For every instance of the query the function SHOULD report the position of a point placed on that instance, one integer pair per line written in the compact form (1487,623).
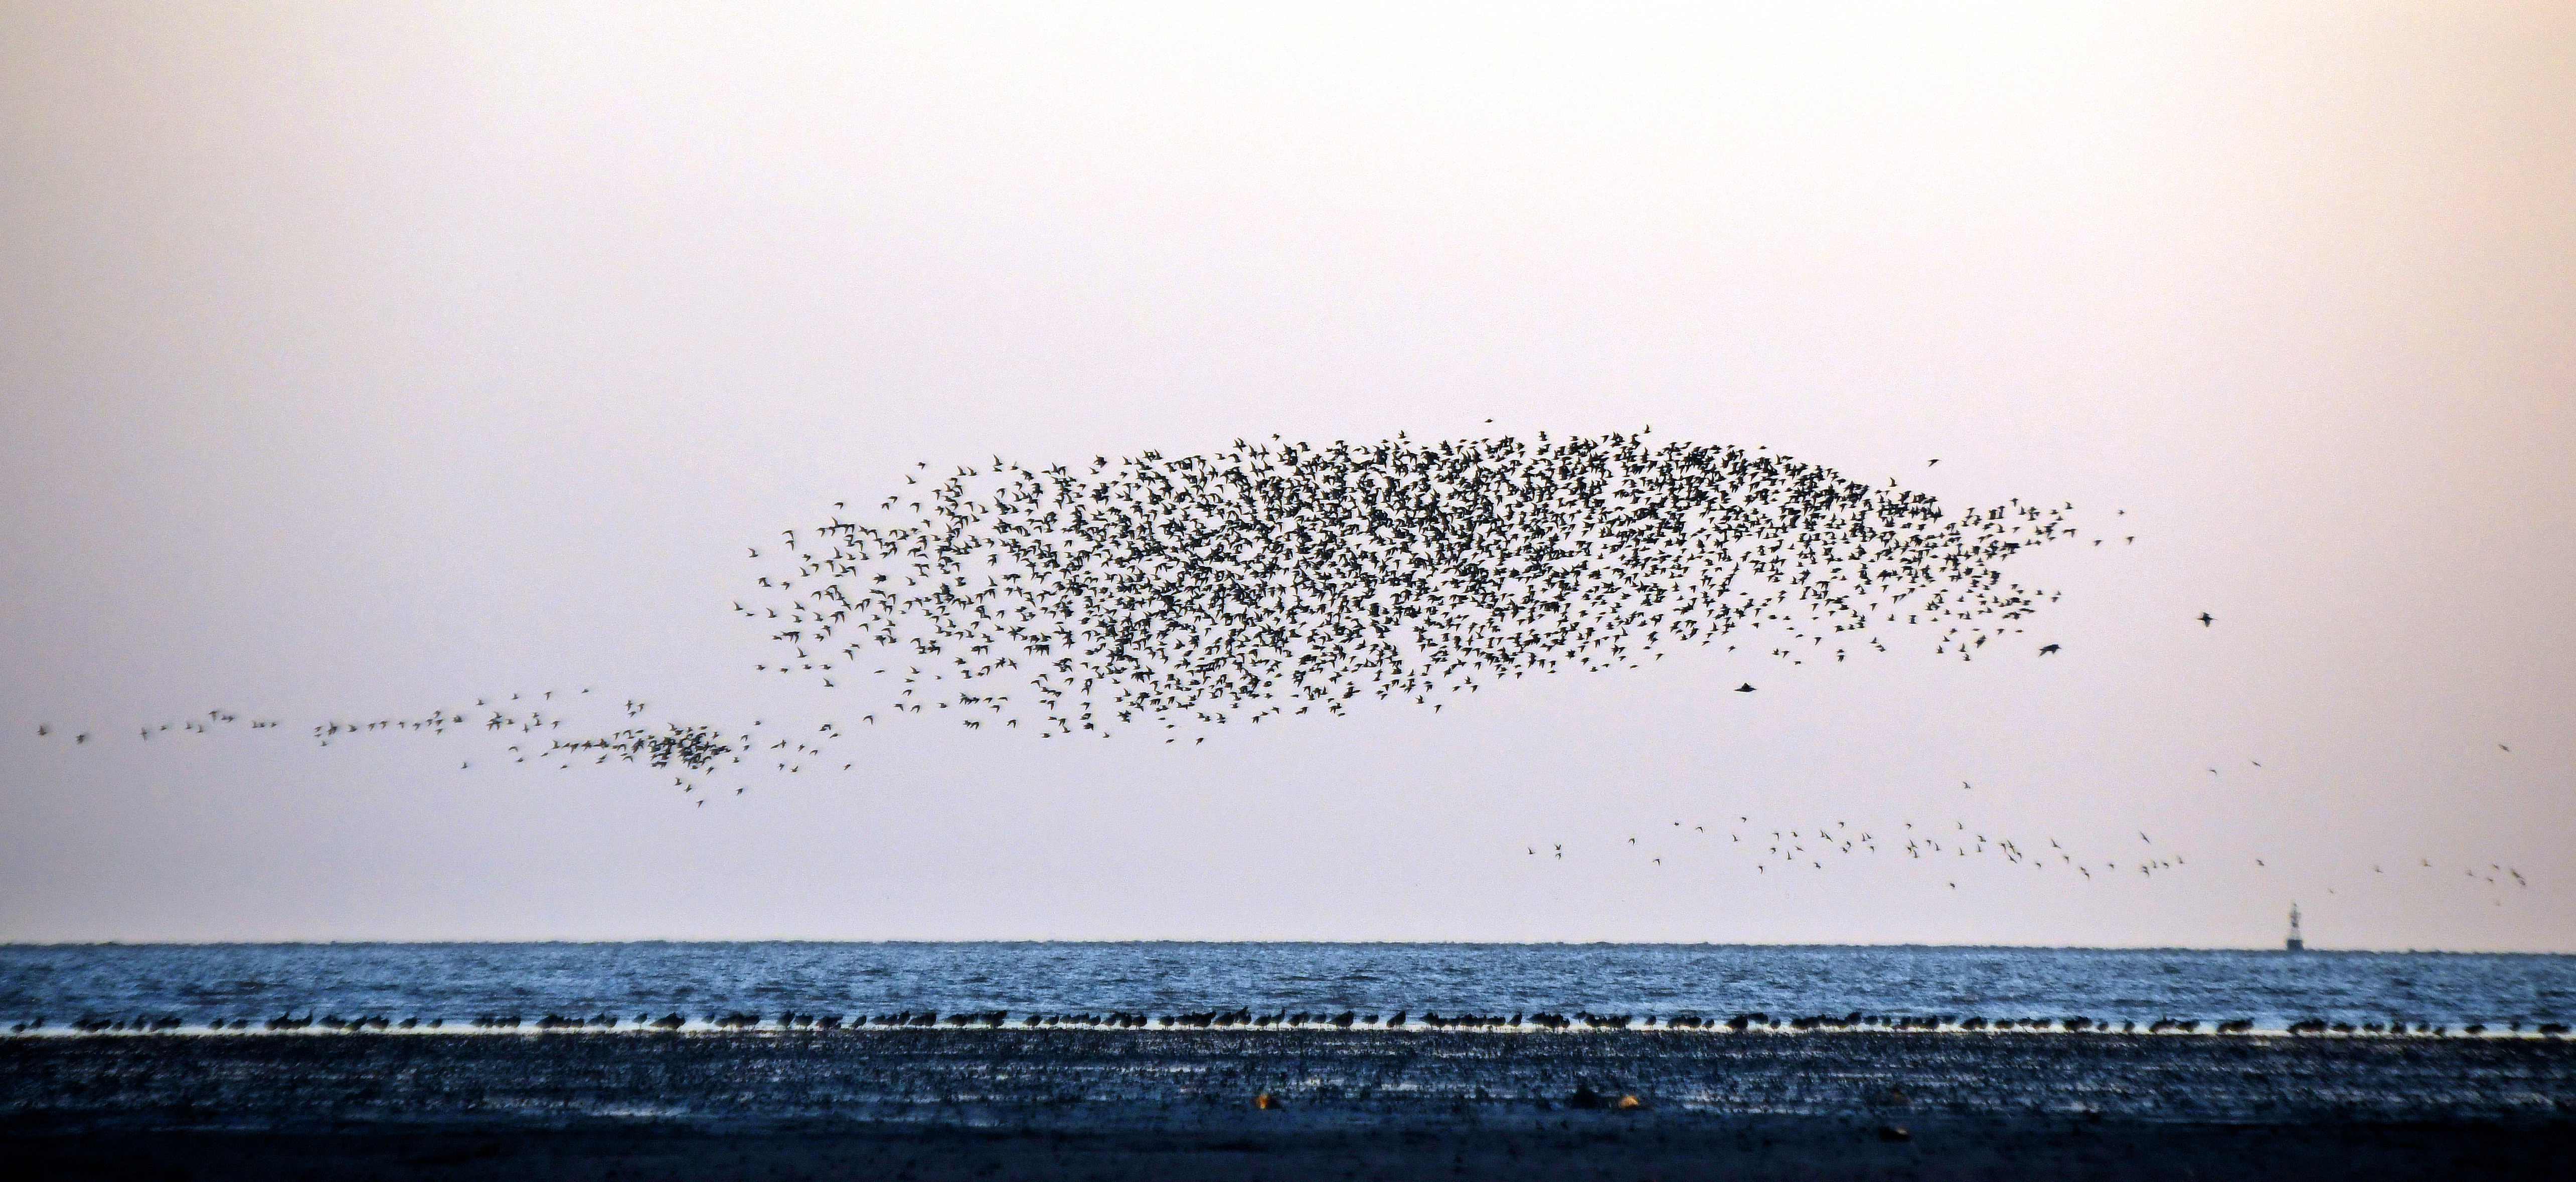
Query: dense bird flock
(1183,594)
(1268,579)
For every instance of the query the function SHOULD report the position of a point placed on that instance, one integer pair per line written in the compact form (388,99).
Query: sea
(456,983)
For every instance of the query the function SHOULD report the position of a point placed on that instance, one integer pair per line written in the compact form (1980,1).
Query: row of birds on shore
(1285,1019)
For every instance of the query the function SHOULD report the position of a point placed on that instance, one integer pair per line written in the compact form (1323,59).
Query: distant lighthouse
(2296,944)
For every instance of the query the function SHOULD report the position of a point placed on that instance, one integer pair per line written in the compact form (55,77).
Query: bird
(2207,619)
(2046,649)
(1189,594)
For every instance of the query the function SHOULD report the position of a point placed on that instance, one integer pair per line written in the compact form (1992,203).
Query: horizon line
(2310,949)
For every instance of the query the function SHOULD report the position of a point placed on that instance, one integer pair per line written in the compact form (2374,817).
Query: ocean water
(201,983)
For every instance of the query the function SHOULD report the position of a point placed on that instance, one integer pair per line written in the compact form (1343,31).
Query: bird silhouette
(1127,594)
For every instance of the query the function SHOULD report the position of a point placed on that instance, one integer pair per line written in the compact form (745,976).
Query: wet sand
(1161,1104)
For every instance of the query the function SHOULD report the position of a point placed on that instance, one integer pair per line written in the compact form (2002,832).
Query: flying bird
(1072,591)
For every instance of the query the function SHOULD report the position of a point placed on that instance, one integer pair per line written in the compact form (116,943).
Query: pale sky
(359,362)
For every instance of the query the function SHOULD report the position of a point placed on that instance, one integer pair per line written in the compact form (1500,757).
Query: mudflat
(931,1104)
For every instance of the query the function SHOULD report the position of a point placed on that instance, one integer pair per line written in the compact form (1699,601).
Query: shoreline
(1121,1104)
(1593,1148)
(701,1029)
(1123,1075)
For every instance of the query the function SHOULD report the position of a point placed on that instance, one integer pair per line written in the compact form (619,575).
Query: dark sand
(1180,1104)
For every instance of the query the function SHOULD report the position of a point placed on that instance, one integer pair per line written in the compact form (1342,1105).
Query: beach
(1057,1103)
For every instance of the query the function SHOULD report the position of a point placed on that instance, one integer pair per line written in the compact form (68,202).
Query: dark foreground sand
(1181,1104)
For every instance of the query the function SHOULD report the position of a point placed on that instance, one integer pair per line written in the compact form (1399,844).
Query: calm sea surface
(457,982)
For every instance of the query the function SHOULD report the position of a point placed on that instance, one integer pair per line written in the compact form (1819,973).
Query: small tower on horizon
(2296,944)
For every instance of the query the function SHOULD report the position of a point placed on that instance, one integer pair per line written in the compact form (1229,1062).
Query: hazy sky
(359,362)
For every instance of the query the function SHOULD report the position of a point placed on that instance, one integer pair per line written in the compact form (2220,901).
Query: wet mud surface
(1145,1104)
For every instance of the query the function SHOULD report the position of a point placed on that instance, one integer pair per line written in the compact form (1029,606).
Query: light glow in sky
(362,361)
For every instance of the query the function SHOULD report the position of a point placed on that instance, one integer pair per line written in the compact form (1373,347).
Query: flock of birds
(1245,1017)
(1268,579)
(1816,846)
(1790,845)
(1795,848)
(1183,594)
(697,747)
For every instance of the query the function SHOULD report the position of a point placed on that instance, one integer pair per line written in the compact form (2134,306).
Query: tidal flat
(1071,1103)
